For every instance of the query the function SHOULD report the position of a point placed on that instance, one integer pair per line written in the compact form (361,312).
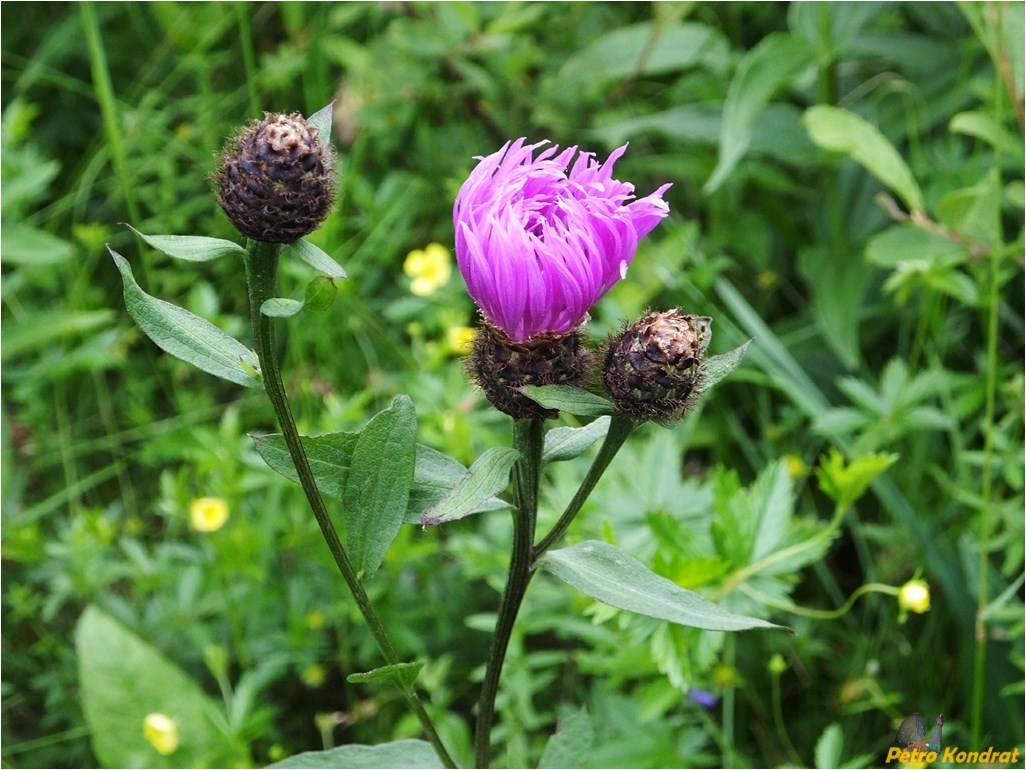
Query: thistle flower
(653,365)
(274,179)
(540,241)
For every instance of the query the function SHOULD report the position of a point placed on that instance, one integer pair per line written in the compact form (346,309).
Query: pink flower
(539,244)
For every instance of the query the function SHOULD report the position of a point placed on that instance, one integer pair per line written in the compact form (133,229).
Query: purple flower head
(539,241)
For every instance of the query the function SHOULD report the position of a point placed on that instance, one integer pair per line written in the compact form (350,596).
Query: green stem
(528,439)
(619,429)
(262,277)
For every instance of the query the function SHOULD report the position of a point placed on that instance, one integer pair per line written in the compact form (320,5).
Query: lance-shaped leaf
(613,577)
(716,368)
(488,476)
(321,120)
(320,293)
(839,130)
(378,487)
(568,443)
(314,256)
(403,675)
(192,248)
(185,335)
(566,398)
(398,755)
(330,456)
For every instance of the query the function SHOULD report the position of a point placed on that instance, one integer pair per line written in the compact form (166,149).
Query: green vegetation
(847,190)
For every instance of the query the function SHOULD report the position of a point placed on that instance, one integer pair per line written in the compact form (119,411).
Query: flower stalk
(261,261)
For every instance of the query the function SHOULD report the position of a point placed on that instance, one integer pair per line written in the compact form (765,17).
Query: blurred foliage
(886,309)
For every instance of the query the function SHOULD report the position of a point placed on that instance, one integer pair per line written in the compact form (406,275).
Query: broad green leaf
(569,399)
(613,577)
(398,755)
(193,248)
(568,443)
(378,487)
(488,476)
(984,126)
(716,368)
(321,120)
(121,680)
(842,131)
(828,748)
(776,61)
(571,744)
(21,244)
(906,242)
(331,456)
(314,256)
(185,335)
(402,675)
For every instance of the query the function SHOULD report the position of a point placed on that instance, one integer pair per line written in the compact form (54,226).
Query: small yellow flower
(796,467)
(162,732)
(315,620)
(208,514)
(460,339)
(314,675)
(429,268)
(914,596)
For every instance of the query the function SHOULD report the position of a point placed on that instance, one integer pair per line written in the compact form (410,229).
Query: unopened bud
(274,179)
(653,365)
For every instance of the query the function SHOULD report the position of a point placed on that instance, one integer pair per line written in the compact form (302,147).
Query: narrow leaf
(314,256)
(321,120)
(568,399)
(570,746)
(613,577)
(776,61)
(280,307)
(568,443)
(399,755)
(488,476)
(192,248)
(401,674)
(716,368)
(839,130)
(185,335)
(378,488)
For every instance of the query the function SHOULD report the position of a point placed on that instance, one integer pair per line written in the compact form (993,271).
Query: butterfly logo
(912,734)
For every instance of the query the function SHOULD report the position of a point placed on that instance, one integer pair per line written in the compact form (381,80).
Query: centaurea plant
(541,235)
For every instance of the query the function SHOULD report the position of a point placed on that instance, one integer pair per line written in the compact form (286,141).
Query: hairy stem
(528,439)
(262,277)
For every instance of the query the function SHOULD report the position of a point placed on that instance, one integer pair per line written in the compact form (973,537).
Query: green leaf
(571,744)
(828,748)
(21,244)
(121,680)
(320,293)
(568,399)
(35,331)
(568,443)
(185,335)
(314,256)
(398,755)
(331,455)
(842,131)
(321,120)
(280,307)
(844,484)
(613,577)
(838,283)
(716,368)
(984,126)
(403,675)
(488,476)
(777,60)
(378,487)
(193,248)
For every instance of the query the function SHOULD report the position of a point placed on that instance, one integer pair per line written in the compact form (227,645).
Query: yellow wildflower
(314,675)
(460,339)
(208,514)
(429,268)
(914,596)
(162,732)
(315,620)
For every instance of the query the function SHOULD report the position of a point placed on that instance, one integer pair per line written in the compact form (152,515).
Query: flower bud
(914,596)
(653,365)
(274,179)
(501,366)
